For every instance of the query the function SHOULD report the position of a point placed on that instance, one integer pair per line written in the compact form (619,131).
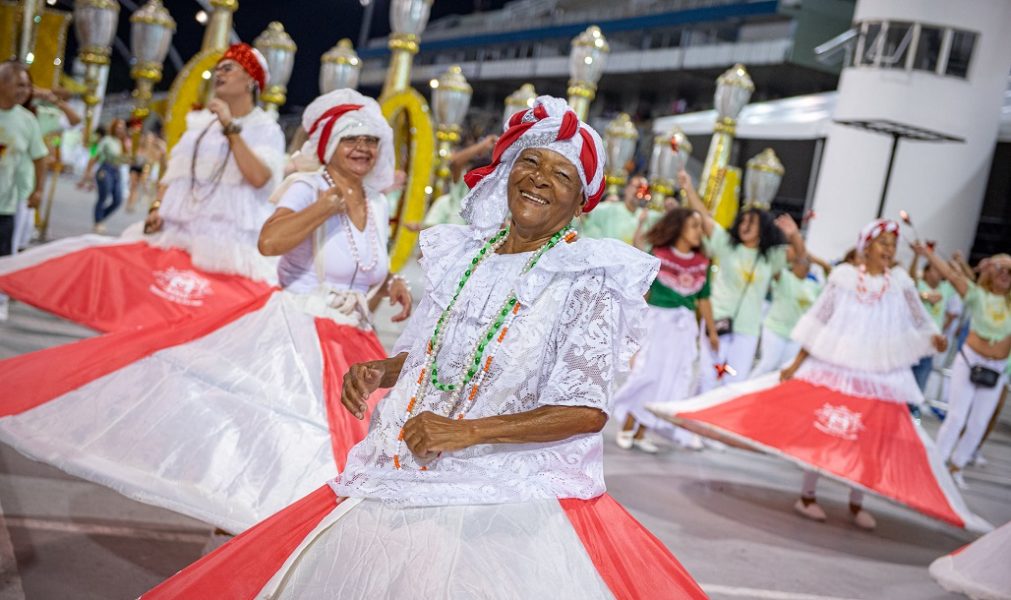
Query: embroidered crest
(182,287)
(838,421)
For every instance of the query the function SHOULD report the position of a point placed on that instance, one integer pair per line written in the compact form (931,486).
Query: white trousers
(24,224)
(776,352)
(970,408)
(737,349)
(663,368)
(807,488)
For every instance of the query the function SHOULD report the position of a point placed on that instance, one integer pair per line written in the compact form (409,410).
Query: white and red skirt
(325,547)
(223,416)
(980,569)
(868,443)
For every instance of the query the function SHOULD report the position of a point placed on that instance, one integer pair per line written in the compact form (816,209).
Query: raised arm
(286,229)
(252,168)
(695,202)
(956,278)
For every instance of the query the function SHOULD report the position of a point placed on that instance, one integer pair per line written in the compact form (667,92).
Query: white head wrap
(322,123)
(550,124)
(873,230)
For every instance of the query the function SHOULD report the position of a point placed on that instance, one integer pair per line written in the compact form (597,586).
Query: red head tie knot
(250,60)
(328,120)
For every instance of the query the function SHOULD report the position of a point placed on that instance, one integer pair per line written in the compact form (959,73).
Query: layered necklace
(476,365)
(370,229)
(864,296)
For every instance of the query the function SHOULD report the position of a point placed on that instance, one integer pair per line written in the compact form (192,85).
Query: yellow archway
(190,88)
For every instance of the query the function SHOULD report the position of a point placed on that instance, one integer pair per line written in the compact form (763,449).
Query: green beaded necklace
(474,364)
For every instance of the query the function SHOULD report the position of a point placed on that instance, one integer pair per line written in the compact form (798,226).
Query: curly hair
(769,236)
(668,229)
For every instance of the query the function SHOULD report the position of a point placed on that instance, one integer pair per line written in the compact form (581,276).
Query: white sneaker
(959,480)
(100,228)
(811,511)
(624,439)
(714,445)
(691,442)
(864,520)
(645,445)
(978,460)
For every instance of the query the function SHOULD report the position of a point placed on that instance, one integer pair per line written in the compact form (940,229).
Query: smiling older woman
(481,475)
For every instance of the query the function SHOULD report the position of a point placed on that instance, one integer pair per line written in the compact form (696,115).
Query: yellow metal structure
(50,42)
(408,112)
(191,89)
(726,196)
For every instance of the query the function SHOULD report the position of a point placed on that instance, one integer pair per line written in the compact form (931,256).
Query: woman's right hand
(359,382)
(153,222)
(332,200)
(788,373)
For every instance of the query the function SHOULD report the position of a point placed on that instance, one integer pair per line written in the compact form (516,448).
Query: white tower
(936,66)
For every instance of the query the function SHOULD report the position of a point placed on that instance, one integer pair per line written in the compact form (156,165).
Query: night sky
(315,25)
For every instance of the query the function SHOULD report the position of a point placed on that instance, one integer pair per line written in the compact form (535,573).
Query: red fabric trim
(239,569)
(343,346)
(331,116)
(125,286)
(631,560)
(885,454)
(35,378)
(570,125)
(244,55)
(588,156)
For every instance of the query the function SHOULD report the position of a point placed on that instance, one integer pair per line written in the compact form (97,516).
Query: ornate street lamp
(95,23)
(619,145)
(408,19)
(586,65)
(339,68)
(762,176)
(670,155)
(450,100)
(522,99)
(151,29)
(733,90)
(279,49)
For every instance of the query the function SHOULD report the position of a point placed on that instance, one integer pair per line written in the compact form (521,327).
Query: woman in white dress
(481,475)
(233,424)
(201,255)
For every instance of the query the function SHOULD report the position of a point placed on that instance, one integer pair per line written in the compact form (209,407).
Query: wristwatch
(232,128)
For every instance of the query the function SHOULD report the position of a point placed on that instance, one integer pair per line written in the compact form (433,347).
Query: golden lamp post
(339,68)
(586,65)
(670,155)
(522,99)
(408,19)
(95,23)
(450,100)
(733,91)
(151,29)
(620,138)
(279,49)
(762,176)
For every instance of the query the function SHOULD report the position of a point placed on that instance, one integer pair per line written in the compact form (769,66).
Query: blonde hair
(986,274)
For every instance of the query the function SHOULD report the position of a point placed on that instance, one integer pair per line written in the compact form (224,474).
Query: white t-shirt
(297,272)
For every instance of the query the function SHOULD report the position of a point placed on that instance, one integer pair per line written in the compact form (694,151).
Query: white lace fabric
(862,331)
(209,218)
(580,322)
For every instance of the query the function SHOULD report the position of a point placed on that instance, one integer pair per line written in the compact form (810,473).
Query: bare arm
(914,272)
(72,117)
(789,372)
(825,266)
(461,158)
(695,202)
(428,434)
(639,237)
(286,229)
(957,279)
(706,310)
(35,199)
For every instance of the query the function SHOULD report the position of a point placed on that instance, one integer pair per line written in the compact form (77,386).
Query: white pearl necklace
(370,230)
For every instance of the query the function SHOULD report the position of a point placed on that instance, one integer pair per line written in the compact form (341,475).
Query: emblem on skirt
(182,287)
(838,421)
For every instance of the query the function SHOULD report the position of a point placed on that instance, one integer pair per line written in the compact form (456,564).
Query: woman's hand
(333,200)
(685,181)
(787,225)
(428,434)
(788,373)
(153,223)
(359,382)
(220,109)
(400,293)
(939,342)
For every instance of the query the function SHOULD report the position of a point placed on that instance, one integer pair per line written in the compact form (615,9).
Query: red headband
(247,59)
(331,116)
(568,128)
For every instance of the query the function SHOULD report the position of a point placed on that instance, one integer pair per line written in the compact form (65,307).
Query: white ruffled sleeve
(601,326)
(418,327)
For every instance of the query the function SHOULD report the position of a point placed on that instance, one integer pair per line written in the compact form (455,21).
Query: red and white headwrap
(550,124)
(251,61)
(873,229)
(339,114)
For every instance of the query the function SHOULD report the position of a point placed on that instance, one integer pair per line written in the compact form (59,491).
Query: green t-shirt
(50,119)
(938,309)
(611,220)
(989,314)
(791,297)
(20,144)
(446,208)
(732,296)
(109,151)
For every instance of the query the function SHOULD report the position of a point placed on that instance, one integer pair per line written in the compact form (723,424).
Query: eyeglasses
(367,141)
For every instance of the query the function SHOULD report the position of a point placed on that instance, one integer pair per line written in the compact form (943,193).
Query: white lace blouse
(580,322)
(864,333)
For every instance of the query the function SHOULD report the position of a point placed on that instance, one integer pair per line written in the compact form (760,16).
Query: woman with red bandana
(839,409)
(213,198)
(481,474)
